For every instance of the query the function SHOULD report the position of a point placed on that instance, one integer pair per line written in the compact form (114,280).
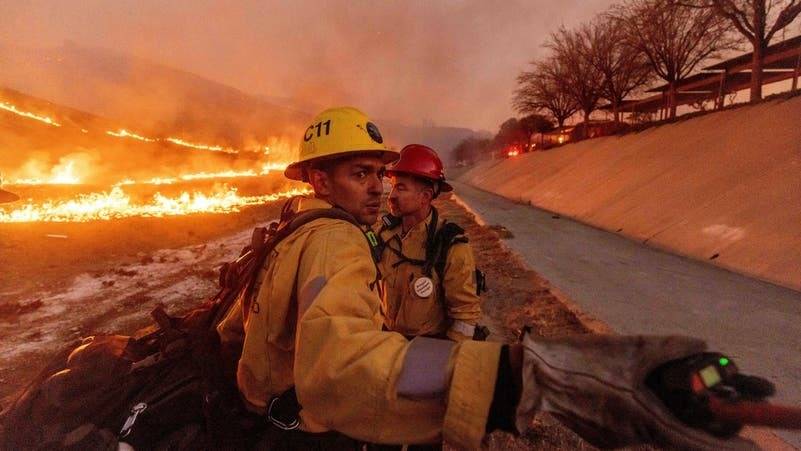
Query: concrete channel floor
(636,289)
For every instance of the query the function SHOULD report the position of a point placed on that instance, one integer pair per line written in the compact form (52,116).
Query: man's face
(355,184)
(408,195)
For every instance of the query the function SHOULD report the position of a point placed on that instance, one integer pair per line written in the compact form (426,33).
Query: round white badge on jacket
(423,287)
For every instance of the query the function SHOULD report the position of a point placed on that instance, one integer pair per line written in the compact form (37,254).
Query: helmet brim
(295,170)
(7,196)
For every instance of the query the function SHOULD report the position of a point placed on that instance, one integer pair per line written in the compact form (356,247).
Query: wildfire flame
(214,175)
(115,204)
(274,166)
(15,110)
(265,169)
(122,133)
(160,181)
(181,142)
(60,175)
(65,175)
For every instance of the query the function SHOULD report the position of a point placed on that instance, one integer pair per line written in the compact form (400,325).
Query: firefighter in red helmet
(431,285)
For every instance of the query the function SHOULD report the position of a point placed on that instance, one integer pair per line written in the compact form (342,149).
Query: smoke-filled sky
(453,62)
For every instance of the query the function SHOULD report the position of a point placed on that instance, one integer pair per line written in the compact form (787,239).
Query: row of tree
(513,134)
(638,42)
(625,49)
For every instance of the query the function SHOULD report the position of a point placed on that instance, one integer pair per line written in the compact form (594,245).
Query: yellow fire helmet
(337,132)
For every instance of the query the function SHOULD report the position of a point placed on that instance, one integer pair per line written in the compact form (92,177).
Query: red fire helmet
(420,161)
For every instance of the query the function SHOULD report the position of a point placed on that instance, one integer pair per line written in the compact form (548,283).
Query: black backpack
(170,386)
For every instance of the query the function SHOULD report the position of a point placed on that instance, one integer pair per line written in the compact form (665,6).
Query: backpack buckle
(274,416)
(129,422)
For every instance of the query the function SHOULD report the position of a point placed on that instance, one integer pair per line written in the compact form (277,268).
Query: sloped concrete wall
(727,183)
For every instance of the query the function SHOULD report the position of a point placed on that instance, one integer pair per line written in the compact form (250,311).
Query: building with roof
(781,61)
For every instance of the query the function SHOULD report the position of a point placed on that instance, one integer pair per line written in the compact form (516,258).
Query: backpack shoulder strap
(387,222)
(308,216)
(245,269)
(449,234)
(287,211)
(241,273)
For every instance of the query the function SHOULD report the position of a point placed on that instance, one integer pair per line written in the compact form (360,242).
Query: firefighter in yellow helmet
(431,285)
(317,364)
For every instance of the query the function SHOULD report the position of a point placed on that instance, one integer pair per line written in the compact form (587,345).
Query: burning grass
(38,117)
(187,194)
(116,204)
(181,142)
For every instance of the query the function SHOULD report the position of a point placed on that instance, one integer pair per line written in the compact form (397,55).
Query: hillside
(158,99)
(442,139)
(144,94)
(724,187)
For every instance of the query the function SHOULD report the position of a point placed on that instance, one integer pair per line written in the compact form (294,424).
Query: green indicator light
(723,361)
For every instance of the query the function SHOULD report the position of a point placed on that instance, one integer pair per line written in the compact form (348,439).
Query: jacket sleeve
(461,301)
(375,385)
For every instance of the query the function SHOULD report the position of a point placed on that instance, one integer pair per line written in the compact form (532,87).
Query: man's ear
(320,181)
(428,192)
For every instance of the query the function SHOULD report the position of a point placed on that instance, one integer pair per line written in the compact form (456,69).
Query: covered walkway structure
(782,61)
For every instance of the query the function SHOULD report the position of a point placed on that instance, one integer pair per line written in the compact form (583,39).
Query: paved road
(637,289)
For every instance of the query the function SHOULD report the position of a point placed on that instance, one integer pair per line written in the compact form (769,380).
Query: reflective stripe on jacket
(451,312)
(316,322)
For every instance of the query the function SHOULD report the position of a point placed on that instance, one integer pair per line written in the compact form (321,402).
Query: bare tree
(675,39)
(580,77)
(624,68)
(542,90)
(758,21)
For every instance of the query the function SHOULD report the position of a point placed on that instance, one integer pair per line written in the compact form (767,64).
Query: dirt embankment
(724,187)
(64,281)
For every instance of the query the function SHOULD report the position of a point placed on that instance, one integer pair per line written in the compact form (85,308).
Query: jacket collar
(311,203)
(420,229)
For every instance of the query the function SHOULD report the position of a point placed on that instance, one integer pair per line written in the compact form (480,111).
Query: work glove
(596,385)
